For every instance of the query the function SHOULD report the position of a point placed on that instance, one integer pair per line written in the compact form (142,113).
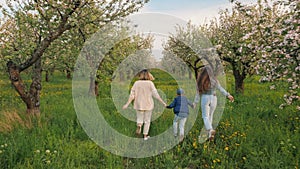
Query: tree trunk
(31,98)
(68,74)
(195,72)
(47,76)
(122,78)
(239,84)
(92,86)
(239,78)
(35,88)
(96,89)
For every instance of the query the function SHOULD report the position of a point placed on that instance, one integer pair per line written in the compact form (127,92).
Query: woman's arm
(156,95)
(130,98)
(128,101)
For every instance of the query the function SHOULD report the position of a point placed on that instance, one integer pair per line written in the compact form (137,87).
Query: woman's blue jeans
(208,106)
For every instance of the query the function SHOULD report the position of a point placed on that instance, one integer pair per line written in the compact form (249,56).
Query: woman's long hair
(145,75)
(206,80)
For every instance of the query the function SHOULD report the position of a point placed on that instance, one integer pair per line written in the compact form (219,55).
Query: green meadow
(252,133)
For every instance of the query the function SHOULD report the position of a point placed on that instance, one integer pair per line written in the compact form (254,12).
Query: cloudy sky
(196,11)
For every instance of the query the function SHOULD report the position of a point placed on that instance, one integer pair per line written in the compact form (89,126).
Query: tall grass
(253,131)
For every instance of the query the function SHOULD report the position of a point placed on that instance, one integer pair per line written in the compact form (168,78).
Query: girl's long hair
(206,80)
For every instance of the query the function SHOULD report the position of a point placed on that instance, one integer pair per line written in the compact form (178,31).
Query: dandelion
(2,146)
(235,133)
(47,151)
(195,145)
(5,145)
(54,151)
(37,151)
(48,161)
(244,158)
(243,135)
(226,148)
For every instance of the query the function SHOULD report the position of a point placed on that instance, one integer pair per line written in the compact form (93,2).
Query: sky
(196,11)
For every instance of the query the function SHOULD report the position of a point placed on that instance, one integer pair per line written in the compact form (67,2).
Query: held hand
(165,105)
(125,106)
(231,98)
(194,105)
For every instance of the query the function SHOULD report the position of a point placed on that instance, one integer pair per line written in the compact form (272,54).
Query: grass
(253,131)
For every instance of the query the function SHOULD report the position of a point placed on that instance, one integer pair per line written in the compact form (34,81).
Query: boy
(181,110)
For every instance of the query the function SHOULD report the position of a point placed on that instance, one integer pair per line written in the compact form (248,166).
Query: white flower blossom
(272,87)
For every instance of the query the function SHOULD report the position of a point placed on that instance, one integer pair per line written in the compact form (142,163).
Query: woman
(142,92)
(207,85)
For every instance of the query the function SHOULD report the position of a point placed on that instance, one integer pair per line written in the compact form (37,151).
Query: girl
(207,85)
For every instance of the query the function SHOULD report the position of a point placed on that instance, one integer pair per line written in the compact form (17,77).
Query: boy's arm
(172,105)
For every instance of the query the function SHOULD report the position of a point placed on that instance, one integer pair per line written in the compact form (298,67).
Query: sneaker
(146,138)
(181,138)
(138,130)
(211,134)
(202,138)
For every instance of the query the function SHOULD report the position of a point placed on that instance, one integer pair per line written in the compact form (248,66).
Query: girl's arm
(225,93)
(197,98)
(190,103)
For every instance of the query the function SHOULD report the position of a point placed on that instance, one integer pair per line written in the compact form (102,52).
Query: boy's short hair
(180,91)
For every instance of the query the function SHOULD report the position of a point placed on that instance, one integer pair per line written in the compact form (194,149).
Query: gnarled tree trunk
(69,76)
(239,77)
(47,76)
(93,90)
(32,97)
